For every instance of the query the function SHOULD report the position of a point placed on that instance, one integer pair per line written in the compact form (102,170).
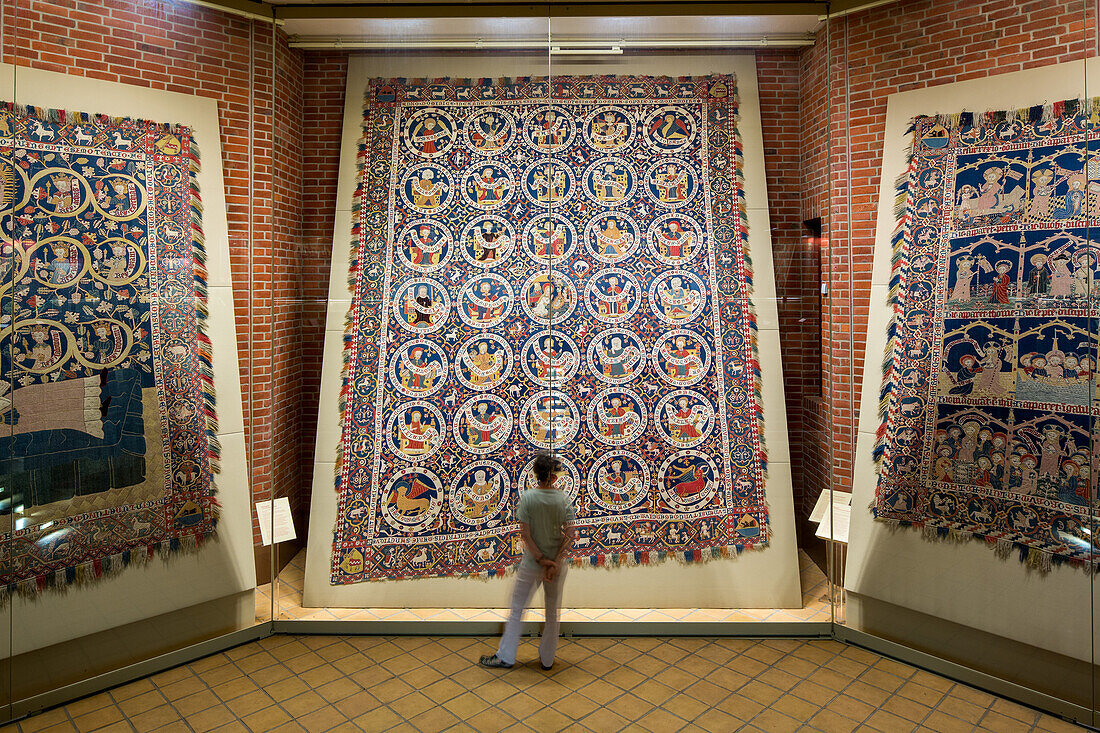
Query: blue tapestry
(106,390)
(990,377)
(541,266)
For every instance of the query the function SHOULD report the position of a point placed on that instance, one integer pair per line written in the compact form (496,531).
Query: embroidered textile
(991,377)
(106,393)
(548,266)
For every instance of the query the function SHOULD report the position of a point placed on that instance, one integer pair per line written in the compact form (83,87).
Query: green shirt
(545,512)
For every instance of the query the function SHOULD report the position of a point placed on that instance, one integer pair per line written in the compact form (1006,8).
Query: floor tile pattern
(288,597)
(430,684)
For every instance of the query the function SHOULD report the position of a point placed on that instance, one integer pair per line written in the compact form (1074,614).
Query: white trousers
(527,579)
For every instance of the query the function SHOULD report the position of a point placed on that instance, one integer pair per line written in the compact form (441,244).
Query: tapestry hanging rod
(561,47)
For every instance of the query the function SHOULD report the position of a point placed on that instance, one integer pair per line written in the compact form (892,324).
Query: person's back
(545,517)
(545,511)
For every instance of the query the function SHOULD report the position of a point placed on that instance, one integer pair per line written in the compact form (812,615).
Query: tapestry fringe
(71,117)
(613,560)
(87,573)
(749,302)
(1034,558)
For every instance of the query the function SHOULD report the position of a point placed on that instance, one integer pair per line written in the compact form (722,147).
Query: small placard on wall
(276,524)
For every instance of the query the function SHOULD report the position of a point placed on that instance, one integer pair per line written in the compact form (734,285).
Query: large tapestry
(548,265)
(990,376)
(106,390)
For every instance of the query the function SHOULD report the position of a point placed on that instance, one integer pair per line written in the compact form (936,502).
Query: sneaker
(493,662)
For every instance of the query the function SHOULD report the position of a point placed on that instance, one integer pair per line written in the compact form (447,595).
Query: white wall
(763,579)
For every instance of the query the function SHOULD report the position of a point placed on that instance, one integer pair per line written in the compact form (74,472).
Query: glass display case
(799,294)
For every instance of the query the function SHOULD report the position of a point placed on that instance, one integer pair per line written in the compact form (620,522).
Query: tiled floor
(815,605)
(331,683)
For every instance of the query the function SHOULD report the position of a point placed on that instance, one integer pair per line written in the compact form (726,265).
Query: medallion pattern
(582,289)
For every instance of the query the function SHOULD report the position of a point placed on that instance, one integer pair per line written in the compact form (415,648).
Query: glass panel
(126,323)
(962,235)
(417,159)
(10,270)
(688,170)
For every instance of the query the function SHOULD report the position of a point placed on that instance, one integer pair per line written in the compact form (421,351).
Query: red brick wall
(325,76)
(184,48)
(795,255)
(288,281)
(871,55)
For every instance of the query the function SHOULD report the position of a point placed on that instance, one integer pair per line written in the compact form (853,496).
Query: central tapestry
(548,265)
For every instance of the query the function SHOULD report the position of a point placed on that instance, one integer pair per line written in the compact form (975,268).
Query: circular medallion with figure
(549,129)
(619,481)
(482,424)
(616,416)
(427,187)
(670,183)
(609,129)
(421,305)
(688,480)
(681,357)
(489,131)
(669,129)
(550,358)
(423,245)
(485,300)
(609,181)
(429,133)
(684,418)
(415,431)
(483,361)
(478,492)
(549,419)
(547,181)
(549,237)
(548,297)
(611,236)
(488,186)
(612,295)
(675,238)
(411,501)
(487,241)
(418,368)
(616,356)
(677,296)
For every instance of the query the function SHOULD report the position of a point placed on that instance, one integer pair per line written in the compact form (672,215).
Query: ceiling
(608,29)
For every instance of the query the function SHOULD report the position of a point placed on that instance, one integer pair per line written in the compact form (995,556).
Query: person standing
(545,517)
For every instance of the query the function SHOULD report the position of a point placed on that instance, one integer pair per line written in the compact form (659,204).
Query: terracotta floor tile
(341,685)
(267,719)
(97,719)
(322,720)
(775,721)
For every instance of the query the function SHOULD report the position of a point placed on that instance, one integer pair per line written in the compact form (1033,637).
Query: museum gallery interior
(801,297)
